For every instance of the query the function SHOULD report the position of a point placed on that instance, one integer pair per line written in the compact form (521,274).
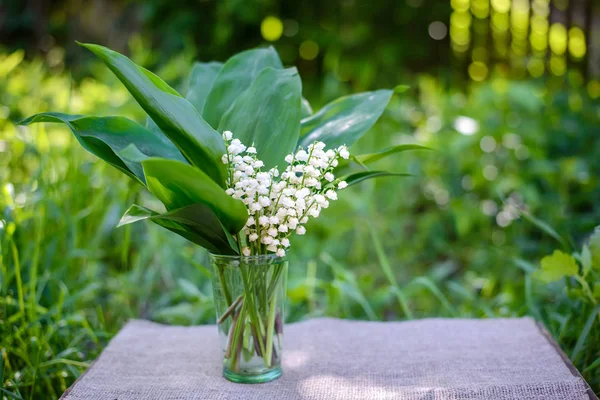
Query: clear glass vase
(249,295)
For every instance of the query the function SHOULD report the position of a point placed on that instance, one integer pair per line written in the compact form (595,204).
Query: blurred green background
(506,92)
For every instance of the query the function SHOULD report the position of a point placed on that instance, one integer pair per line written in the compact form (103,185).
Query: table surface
(325,358)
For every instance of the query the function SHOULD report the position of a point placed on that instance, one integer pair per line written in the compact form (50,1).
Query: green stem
(238,331)
(274,280)
(252,308)
(232,333)
(270,330)
(224,285)
(230,310)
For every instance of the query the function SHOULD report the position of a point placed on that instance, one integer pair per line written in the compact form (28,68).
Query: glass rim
(272,258)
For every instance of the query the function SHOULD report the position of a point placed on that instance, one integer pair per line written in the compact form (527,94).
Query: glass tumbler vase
(249,294)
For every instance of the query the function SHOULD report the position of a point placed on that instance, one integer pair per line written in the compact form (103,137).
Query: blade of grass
(584,333)
(15,256)
(432,287)
(387,270)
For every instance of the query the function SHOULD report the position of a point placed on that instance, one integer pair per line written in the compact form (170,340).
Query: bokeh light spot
(558,65)
(460,5)
(535,66)
(438,30)
(487,144)
(478,71)
(501,6)
(309,50)
(558,38)
(593,88)
(467,126)
(271,28)
(490,172)
(290,27)
(577,46)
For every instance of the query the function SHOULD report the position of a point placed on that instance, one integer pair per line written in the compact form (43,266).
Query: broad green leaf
(306,108)
(195,222)
(344,120)
(109,137)
(237,75)
(594,245)
(267,115)
(179,185)
(372,157)
(556,266)
(200,82)
(361,176)
(201,145)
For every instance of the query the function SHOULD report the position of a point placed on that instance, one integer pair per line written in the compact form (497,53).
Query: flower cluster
(279,205)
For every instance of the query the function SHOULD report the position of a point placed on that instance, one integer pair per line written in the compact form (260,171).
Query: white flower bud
(309,182)
(302,193)
(302,156)
(262,189)
(280,252)
(283,228)
(227,135)
(289,158)
(344,153)
(273,220)
(281,213)
(253,237)
(272,232)
(246,251)
(292,223)
(251,150)
(300,230)
(263,220)
(264,201)
(288,202)
(314,212)
(285,242)
(329,177)
(331,194)
(342,185)
(272,247)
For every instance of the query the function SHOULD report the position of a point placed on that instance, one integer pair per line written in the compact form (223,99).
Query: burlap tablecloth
(493,359)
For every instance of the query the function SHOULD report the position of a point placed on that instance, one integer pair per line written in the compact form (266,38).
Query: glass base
(259,378)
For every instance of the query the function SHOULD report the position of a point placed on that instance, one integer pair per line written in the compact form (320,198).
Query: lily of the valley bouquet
(241,164)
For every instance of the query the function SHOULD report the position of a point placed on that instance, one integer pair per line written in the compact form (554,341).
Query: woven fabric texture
(430,359)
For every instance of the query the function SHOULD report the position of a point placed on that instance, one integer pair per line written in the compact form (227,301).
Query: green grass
(390,249)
